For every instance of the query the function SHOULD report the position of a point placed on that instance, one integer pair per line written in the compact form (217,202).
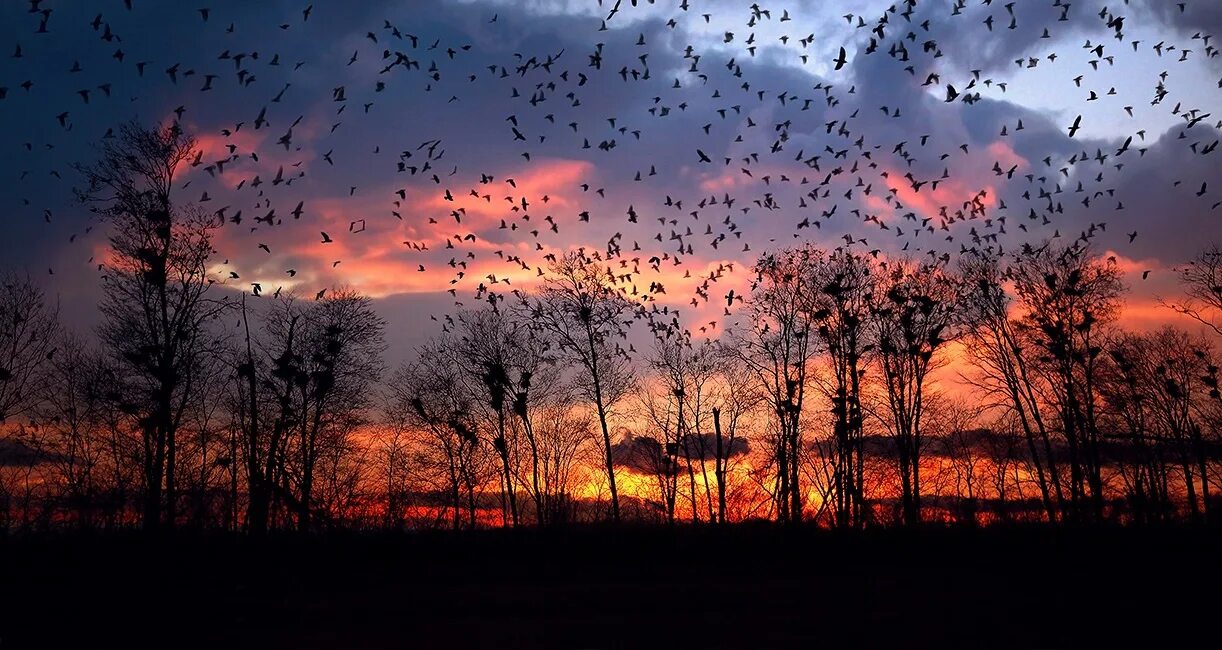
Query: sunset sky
(486,92)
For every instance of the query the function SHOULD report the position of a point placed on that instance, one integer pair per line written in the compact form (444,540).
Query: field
(745,586)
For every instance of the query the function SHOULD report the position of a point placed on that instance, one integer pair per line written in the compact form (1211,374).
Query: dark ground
(743,587)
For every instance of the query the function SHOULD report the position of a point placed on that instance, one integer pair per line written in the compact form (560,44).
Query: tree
(561,436)
(662,399)
(342,362)
(507,370)
(393,447)
(262,407)
(309,388)
(965,449)
(1045,358)
(1202,280)
(73,447)
(1067,296)
(583,312)
(735,404)
(428,396)
(500,351)
(996,345)
(155,306)
(690,386)
(779,347)
(912,317)
(1157,393)
(844,293)
(28,330)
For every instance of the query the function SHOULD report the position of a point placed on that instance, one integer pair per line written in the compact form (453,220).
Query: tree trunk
(504,453)
(602,421)
(719,468)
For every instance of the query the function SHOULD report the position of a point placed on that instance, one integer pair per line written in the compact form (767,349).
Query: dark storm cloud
(1158,186)
(646,455)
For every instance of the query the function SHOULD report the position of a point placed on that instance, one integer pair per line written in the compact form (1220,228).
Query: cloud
(1157,183)
(646,455)
(1190,18)
(804,141)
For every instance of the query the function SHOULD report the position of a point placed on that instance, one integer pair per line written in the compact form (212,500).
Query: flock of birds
(754,156)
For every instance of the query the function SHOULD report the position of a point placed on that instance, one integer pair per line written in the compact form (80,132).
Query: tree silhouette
(1202,280)
(1067,296)
(1069,418)
(995,345)
(308,390)
(845,289)
(155,305)
(912,318)
(429,396)
(580,308)
(492,348)
(778,348)
(28,331)
(1157,393)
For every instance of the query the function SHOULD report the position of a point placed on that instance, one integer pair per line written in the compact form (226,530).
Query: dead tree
(995,344)
(428,397)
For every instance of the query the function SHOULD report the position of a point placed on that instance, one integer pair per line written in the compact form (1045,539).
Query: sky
(448,144)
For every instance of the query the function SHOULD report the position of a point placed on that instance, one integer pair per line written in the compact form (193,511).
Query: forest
(846,390)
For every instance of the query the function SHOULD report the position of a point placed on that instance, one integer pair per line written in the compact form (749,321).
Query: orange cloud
(951,194)
(555,179)
(1006,156)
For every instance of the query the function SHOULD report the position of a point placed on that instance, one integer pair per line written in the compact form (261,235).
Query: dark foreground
(745,587)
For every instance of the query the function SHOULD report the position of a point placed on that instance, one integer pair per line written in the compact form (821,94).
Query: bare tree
(428,396)
(507,370)
(263,405)
(735,405)
(1045,358)
(1202,281)
(205,456)
(28,333)
(342,361)
(1067,296)
(1006,453)
(582,311)
(656,451)
(692,386)
(963,445)
(155,307)
(303,396)
(28,330)
(996,346)
(845,289)
(912,316)
(562,437)
(491,348)
(778,347)
(74,450)
(394,448)
(1156,395)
